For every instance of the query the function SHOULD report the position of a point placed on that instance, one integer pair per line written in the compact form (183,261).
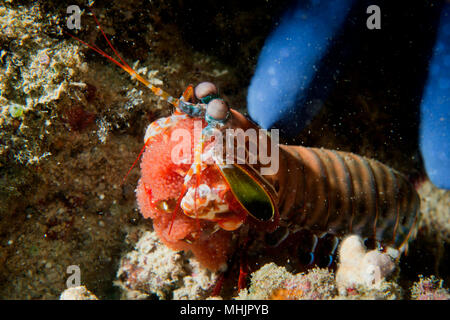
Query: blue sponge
(280,91)
(435,109)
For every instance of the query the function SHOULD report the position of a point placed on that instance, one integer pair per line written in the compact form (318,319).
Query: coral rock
(276,283)
(77,293)
(152,269)
(360,268)
(429,289)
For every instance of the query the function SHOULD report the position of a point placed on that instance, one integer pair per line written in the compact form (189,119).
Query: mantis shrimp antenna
(124,66)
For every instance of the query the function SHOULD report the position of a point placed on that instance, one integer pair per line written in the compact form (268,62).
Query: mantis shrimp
(207,205)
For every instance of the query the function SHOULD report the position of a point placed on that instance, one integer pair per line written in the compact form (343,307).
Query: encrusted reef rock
(359,268)
(429,253)
(77,293)
(274,282)
(152,269)
(435,209)
(429,288)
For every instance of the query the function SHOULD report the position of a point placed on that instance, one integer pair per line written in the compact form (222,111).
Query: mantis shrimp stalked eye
(217,109)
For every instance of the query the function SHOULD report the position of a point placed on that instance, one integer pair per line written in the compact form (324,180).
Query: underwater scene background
(72,124)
